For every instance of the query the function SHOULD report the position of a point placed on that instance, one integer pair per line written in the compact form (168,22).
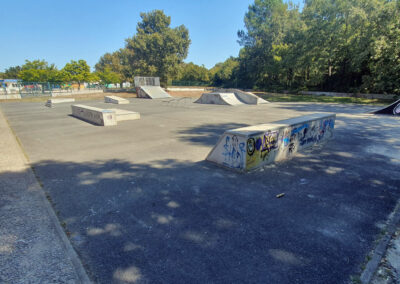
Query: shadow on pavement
(173,221)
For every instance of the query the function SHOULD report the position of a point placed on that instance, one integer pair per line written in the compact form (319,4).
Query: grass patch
(273,97)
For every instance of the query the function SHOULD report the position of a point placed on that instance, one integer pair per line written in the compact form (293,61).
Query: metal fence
(189,83)
(37,89)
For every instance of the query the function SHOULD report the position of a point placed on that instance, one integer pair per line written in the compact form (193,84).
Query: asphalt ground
(141,205)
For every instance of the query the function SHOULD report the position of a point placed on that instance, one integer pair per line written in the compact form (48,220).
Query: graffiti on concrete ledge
(285,142)
(234,152)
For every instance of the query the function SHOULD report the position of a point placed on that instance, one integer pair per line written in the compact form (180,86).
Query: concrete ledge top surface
(248,130)
(93,108)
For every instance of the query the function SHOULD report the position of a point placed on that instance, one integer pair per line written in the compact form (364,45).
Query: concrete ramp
(252,147)
(219,99)
(245,97)
(393,109)
(152,92)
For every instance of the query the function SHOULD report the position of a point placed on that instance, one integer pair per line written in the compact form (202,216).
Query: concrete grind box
(248,148)
(102,117)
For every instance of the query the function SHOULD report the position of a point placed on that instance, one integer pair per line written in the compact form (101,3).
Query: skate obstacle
(251,147)
(115,100)
(51,102)
(103,117)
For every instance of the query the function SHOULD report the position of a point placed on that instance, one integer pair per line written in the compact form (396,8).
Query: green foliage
(11,72)
(38,71)
(108,76)
(193,73)
(156,49)
(77,71)
(224,74)
(117,62)
(343,45)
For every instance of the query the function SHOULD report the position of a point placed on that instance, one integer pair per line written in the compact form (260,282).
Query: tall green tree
(117,63)
(38,71)
(77,71)
(193,73)
(157,49)
(107,76)
(11,72)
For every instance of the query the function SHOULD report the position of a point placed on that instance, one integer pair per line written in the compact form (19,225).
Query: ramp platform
(219,99)
(252,147)
(244,97)
(393,109)
(152,92)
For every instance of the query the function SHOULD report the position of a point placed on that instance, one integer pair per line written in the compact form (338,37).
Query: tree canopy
(157,49)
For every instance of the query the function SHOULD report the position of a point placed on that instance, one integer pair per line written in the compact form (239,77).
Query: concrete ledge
(115,100)
(50,102)
(122,115)
(252,147)
(94,115)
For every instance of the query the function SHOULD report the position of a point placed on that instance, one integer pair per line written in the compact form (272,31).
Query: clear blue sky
(61,30)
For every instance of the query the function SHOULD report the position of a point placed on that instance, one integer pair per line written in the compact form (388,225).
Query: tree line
(330,45)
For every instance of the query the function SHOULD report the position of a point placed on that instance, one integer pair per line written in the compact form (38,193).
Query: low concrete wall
(115,100)
(50,102)
(365,96)
(252,147)
(95,115)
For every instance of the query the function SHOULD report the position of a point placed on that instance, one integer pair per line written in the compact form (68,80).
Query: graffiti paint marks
(396,110)
(234,152)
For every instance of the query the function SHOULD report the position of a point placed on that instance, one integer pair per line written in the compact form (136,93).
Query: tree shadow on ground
(335,108)
(171,221)
(206,134)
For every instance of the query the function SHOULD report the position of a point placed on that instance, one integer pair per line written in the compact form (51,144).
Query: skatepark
(140,203)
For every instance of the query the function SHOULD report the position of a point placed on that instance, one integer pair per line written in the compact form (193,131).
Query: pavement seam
(66,244)
(380,249)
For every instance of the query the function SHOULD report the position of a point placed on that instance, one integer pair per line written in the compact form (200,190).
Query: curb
(64,241)
(380,250)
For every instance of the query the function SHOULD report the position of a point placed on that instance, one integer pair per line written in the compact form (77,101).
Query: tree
(117,63)
(11,72)
(38,71)
(156,49)
(193,73)
(77,71)
(225,74)
(108,76)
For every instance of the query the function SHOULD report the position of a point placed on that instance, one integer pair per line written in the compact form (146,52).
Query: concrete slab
(251,147)
(51,102)
(122,115)
(141,204)
(102,117)
(115,100)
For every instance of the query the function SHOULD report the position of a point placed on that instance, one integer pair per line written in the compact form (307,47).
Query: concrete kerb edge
(66,244)
(372,265)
